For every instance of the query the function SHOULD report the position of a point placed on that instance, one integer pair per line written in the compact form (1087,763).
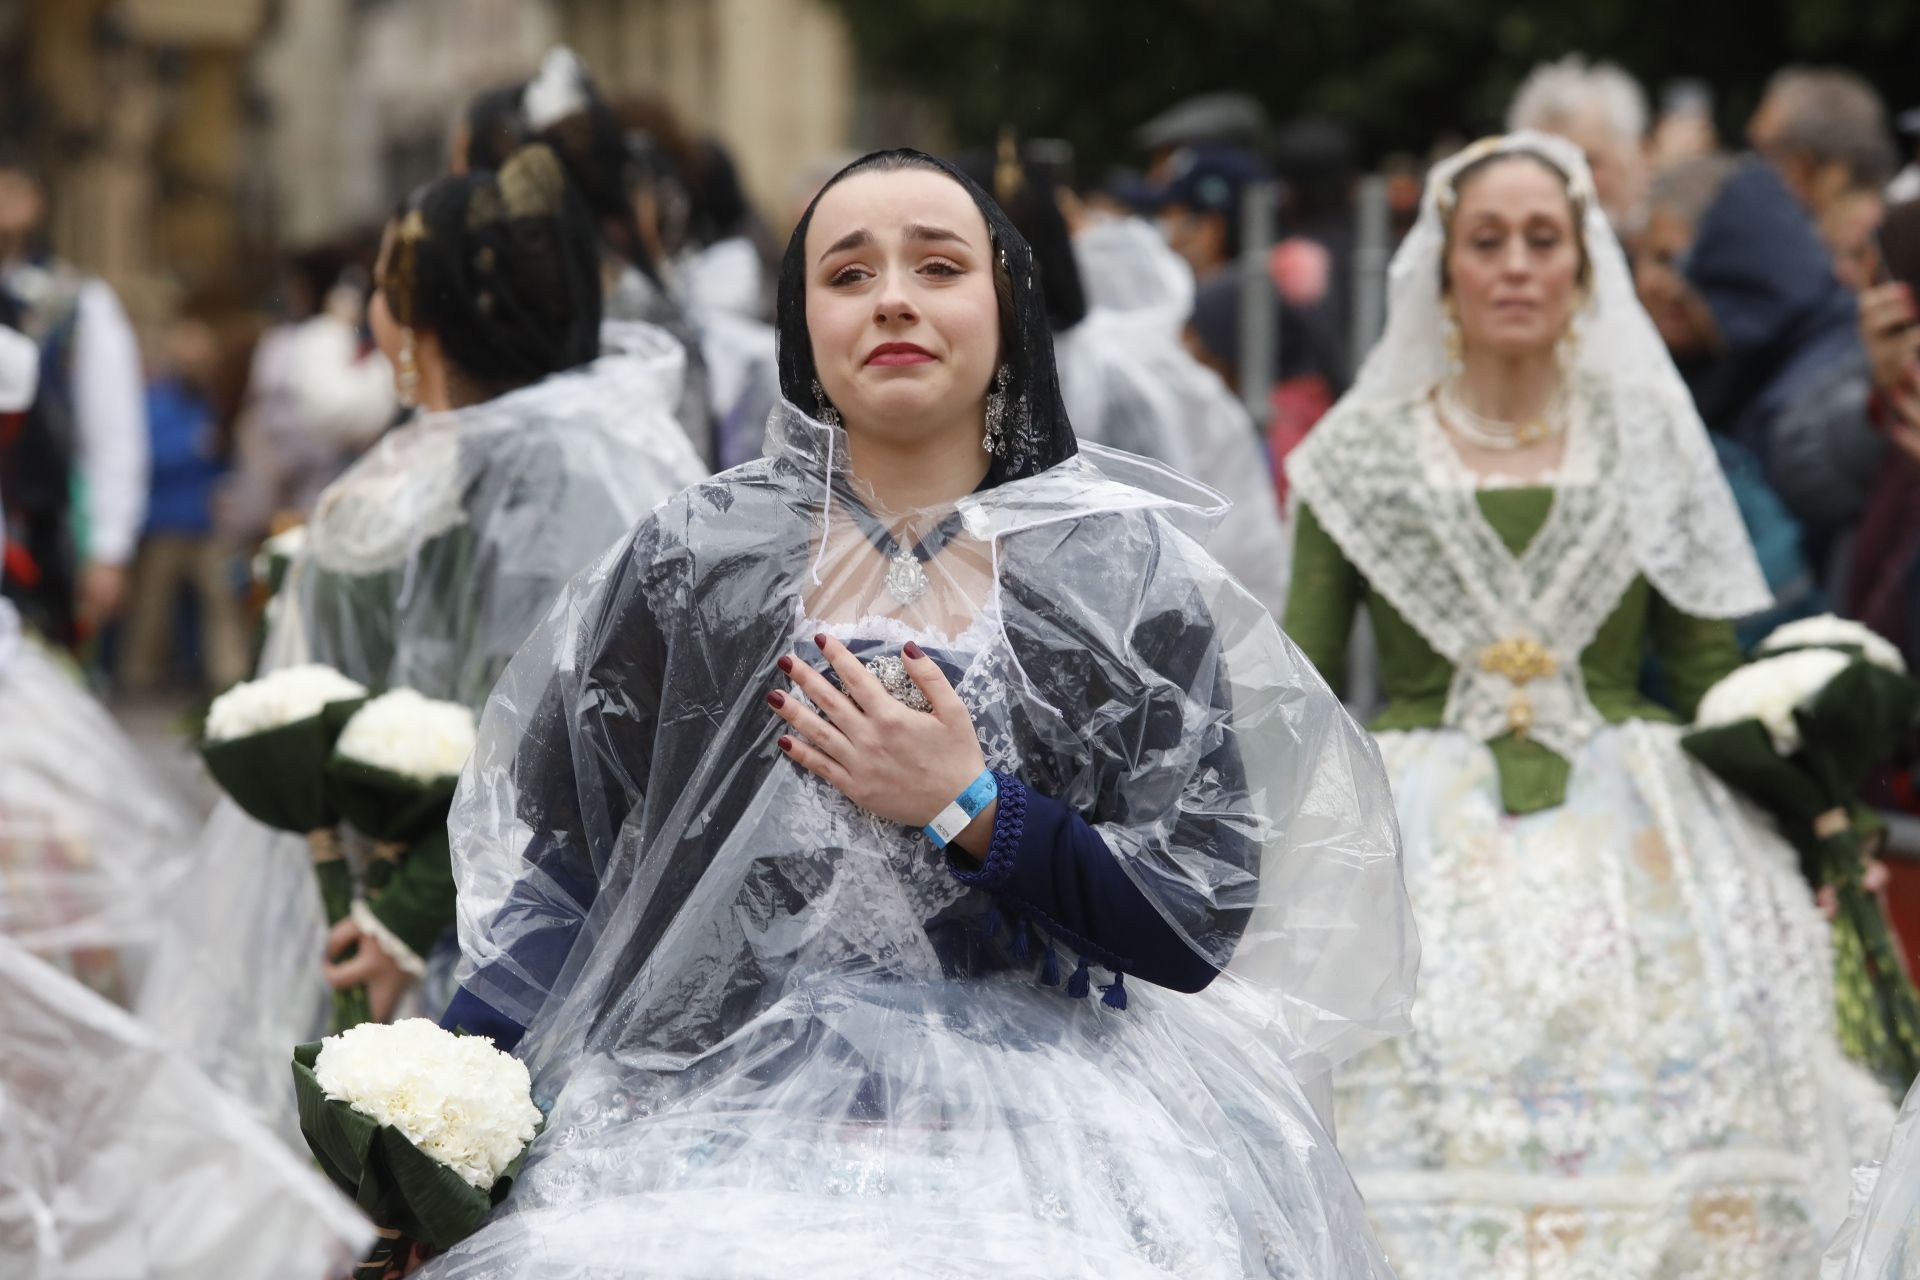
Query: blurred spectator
(1308,375)
(180,550)
(1744,293)
(1232,120)
(318,393)
(1317,161)
(1825,131)
(1603,111)
(1883,588)
(1685,129)
(1906,184)
(74,468)
(1199,203)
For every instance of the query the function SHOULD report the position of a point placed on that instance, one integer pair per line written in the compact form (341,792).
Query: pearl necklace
(1482,432)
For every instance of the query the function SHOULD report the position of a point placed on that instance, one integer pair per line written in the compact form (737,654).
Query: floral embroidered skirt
(1622,1062)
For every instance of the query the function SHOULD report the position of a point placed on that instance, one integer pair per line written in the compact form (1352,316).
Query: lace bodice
(886,903)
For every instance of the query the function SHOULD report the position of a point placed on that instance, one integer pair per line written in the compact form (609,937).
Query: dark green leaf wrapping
(1860,721)
(396,1184)
(385,805)
(280,776)
(1742,755)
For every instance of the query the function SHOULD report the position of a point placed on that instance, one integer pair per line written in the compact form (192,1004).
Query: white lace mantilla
(1514,626)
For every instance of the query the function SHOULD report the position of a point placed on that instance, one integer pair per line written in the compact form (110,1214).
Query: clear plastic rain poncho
(426,565)
(1130,384)
(1881,1237)
(90,837)
(778,1037)
(722,292)
(117,1158)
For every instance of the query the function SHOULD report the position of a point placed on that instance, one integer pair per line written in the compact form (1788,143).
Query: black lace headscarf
(503,268)
(1036,417)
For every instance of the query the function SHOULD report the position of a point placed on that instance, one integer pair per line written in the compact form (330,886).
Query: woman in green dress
(1622,1061)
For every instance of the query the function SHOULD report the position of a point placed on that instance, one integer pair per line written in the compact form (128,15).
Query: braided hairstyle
(503,268)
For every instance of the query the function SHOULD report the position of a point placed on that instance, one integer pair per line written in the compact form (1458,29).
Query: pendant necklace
(906,578)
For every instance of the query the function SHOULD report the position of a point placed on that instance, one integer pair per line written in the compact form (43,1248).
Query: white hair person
(1603,111)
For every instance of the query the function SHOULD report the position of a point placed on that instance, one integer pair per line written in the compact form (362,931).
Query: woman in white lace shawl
(1623,1060)
(541,437)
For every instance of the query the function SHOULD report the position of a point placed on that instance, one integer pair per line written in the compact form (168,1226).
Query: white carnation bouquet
(393,774)
(267,743)
(1799,732)
(423,1128)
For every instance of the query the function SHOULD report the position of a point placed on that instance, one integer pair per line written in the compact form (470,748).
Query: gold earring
(406,378)
(1456,360)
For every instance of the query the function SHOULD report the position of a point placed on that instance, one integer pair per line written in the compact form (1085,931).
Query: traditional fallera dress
(1623,1060)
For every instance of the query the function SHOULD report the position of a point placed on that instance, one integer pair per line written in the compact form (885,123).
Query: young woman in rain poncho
(427,564)
(780,1029)
(1623,1060)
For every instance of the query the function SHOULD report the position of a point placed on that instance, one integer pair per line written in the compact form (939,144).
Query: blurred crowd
(1778,266)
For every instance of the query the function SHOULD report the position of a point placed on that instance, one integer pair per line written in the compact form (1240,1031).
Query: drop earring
(1456,361)
(406,378)
(995,441)
(827,413)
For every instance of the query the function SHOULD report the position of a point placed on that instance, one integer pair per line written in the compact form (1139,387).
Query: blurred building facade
(360,96)
(139,118)
(184,142)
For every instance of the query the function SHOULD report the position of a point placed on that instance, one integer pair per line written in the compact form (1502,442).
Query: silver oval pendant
(906,580)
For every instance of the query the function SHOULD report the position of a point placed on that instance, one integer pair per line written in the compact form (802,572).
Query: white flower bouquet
(423,1128)
(1799,733)
(394,769)
(1835,634)
(267,743)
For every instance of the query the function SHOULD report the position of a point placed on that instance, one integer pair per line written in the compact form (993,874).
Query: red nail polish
(912,650)
(776,700)
(786,744)
(786,665)
(820,642)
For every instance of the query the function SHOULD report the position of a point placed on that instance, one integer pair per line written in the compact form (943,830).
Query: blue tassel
(1022,949)
(1050,968)
(1116,995)
(993,921)
(1080,983)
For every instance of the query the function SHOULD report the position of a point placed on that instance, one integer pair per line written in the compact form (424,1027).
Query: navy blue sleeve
(1049,864)
(470,1015)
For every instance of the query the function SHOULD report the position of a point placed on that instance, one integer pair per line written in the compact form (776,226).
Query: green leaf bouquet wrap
(1799,732)
(423,1128)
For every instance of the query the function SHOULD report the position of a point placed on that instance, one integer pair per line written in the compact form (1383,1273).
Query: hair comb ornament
(413,229)
(559,89)
(532,182)
(1007,176)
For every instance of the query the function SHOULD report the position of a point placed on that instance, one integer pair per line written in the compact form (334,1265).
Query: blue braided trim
(1085,948)
(1009,825)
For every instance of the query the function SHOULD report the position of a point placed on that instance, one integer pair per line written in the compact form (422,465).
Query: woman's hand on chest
(901,764)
